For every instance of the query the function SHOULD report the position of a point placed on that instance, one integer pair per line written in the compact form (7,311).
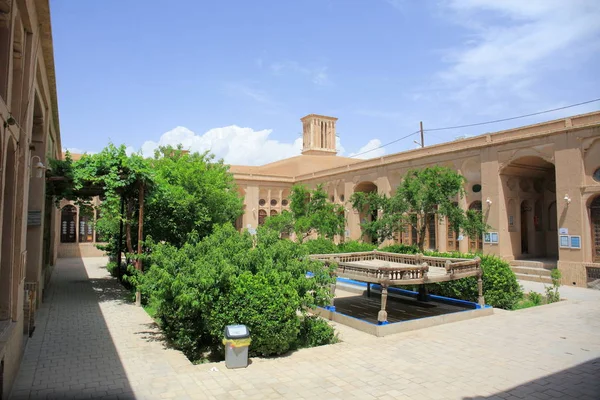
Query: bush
(320,246)
(401,249)
(315,331)
(232,278)
(552,294)
(265,304)
(354,246)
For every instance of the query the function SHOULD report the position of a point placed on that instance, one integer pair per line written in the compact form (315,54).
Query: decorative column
(382,315)
(480,298)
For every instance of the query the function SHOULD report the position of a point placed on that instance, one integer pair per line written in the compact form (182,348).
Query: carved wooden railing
(410,268)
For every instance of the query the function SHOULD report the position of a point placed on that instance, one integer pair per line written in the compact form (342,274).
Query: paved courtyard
(90,343)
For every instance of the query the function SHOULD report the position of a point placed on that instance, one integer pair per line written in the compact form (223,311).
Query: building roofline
(318,116)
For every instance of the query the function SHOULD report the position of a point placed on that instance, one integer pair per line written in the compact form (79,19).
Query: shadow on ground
(72,353)
(581,382)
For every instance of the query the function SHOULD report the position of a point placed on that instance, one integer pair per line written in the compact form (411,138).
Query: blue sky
(236,76)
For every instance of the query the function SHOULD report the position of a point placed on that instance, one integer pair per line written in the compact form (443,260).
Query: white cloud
(513,39)
(373,149)
(236,89)
(234,144)
(243,146)
(317,75)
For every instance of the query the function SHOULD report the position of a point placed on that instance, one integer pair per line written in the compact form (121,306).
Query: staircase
(533,270)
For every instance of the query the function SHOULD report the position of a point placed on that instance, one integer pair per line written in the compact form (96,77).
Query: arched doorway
(595,224)
(364,215)
(68,223)
(529,186)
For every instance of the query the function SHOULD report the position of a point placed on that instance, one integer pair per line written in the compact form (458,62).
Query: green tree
(422,195)
(310,212)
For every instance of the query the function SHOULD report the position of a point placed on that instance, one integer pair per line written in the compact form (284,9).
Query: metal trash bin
(236,341)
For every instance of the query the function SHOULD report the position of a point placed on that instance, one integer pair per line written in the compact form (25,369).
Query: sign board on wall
(569,242)
(490,237)
(34,218)
(563,231)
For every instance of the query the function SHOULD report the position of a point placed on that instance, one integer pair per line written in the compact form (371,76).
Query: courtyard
(90,342)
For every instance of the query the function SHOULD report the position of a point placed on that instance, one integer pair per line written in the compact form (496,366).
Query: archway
(476,243)
(529,186)
(364,215)
(8,234)
(595,225)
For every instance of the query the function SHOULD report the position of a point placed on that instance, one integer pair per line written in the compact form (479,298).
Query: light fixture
(567,198)
(40,168)
(9,122)
(488,201)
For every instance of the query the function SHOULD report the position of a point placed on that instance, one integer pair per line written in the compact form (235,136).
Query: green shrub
(401,249)
(320,246)
(315,331)
(232,278)
(354,246)
(535,298)
(552,294)
(265,304)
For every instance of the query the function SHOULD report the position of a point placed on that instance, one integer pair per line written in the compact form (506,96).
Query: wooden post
(382,315)
(120,242)
(480,299)
(138,295)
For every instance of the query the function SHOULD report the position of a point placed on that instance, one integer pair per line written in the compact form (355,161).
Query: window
(86,224)
(476,243)
(68,217)
(273,202)
(342,198)
(332,198)
(262,215)
(596,175)
(262,202)
(476,188)
(273,213)
(284,202)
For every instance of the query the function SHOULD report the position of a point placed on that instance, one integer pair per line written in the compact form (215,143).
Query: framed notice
(563,241)
(495,237)
(487,237)
(575,242)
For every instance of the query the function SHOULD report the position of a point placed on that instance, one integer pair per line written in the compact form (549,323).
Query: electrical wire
(477,124)
(511,118)
(383,145)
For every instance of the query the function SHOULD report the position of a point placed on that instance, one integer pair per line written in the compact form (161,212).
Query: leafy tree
(311,213)
(422,195)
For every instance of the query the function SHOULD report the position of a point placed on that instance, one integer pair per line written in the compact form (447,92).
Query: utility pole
(422,138)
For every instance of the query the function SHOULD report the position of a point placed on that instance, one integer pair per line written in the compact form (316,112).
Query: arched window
(273,213)
(595,223)
(511,211)
(68,221)
(475,244)
(262,215)
(86,224)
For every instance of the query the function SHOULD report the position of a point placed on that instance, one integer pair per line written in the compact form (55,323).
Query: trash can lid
(236,331)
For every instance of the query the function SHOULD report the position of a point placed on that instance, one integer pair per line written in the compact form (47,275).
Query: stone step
(534,278)
(533,264)
(531,271)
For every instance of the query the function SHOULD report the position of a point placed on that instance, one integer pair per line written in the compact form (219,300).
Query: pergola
(391,269)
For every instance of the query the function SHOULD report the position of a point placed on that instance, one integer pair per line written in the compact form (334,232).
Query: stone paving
(89,343)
